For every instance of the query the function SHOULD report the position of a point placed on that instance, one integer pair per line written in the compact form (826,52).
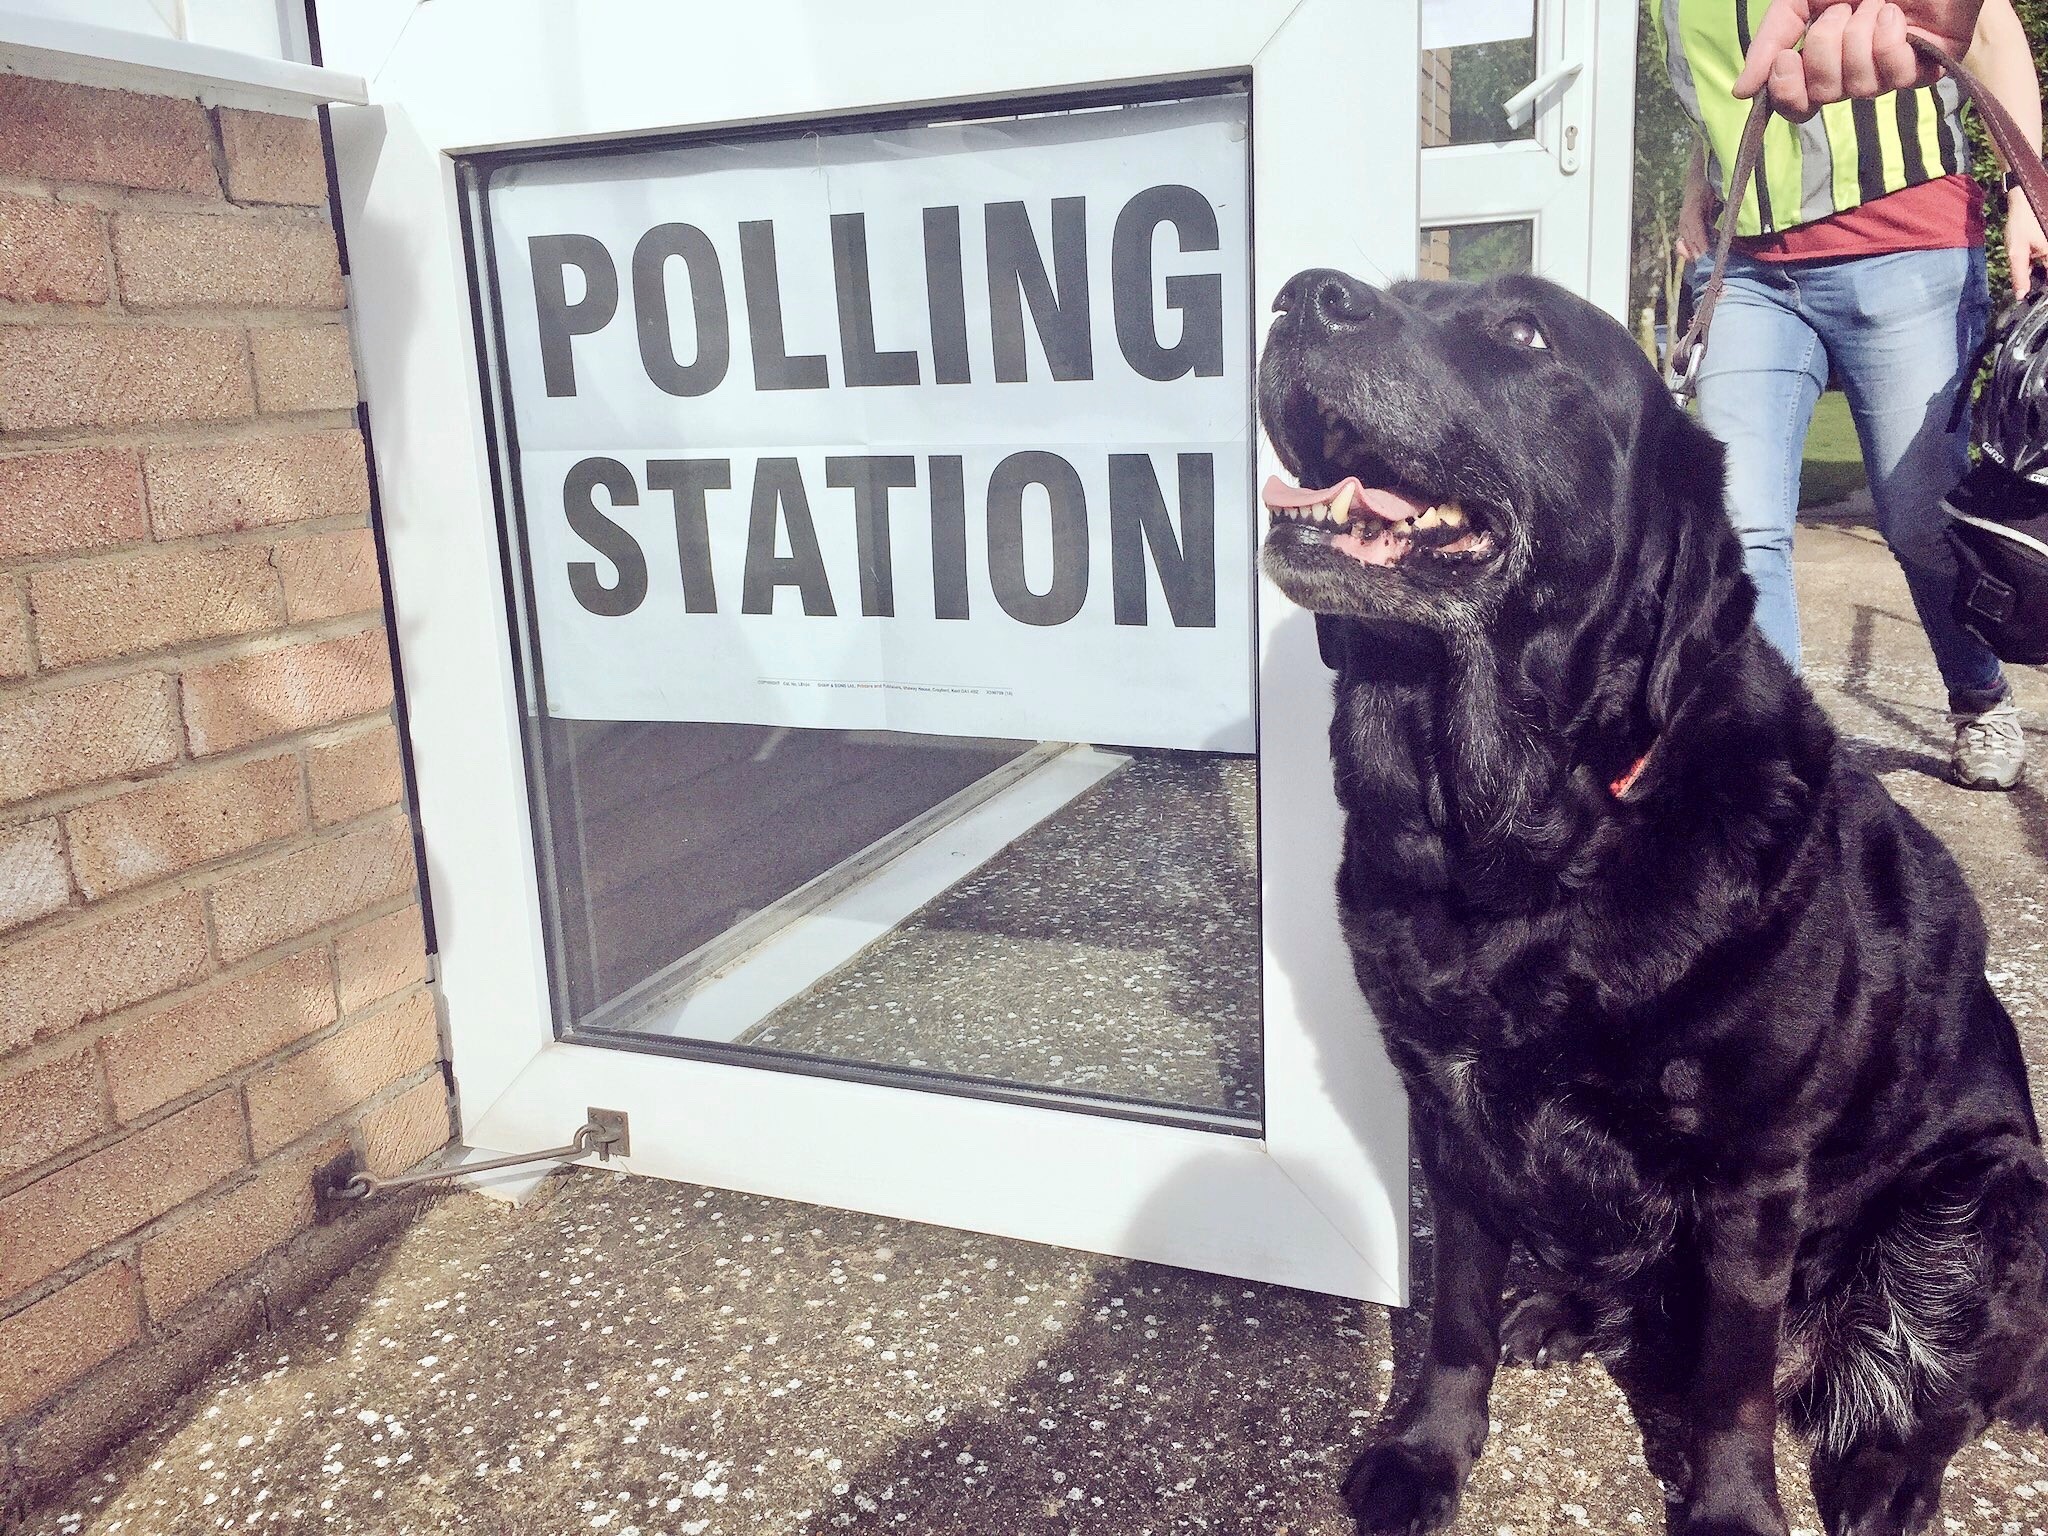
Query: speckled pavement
(636,1358)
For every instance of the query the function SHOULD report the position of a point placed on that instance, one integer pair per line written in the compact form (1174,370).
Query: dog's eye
(1523,333)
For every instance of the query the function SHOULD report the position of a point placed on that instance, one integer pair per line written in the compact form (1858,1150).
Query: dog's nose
(1327,298)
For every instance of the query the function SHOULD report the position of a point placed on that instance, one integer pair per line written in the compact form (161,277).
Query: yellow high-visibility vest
(1848,153)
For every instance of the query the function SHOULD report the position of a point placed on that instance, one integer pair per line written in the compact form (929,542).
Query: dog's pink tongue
(1391,505)
(1279,496)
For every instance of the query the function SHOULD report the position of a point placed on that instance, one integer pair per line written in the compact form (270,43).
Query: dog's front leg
(1749,1237)
(1411,1479)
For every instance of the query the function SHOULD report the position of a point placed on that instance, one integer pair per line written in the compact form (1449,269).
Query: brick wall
(211,968)
(1435,110)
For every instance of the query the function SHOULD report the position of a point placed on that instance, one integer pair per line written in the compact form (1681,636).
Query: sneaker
(1990,752)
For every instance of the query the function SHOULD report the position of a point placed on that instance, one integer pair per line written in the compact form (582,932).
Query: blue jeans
(1899,331)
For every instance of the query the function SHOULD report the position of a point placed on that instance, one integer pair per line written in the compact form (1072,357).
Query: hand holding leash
(1808,53)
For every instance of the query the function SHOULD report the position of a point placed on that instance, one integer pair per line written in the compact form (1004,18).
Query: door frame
(1320,1199)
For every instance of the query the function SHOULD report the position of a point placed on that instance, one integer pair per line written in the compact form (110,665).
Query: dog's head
(1483,462)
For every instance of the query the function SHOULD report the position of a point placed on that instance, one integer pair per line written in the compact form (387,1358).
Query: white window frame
(1320,1200)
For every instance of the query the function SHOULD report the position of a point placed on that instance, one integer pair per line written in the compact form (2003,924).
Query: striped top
(1849,153)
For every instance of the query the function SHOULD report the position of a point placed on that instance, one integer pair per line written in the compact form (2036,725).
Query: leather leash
(1692,346)
(2011,140)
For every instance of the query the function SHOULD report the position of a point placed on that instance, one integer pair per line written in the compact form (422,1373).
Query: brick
(310,887)
(336,1074)
(49,1109)
(354,776)
(81,499)
(17,657)
(227,261)
(33,879)
(329,574)
(273,159)
(52,252)
(96,963)
(94,611)
(82,735)
(201,1039)
(377,959)
(46,1347)
(292,688)
(408,1130)
(229,1231)
(174,823)
(119,138)
(54,376)
(303,368)
(257,483)
(65,1215)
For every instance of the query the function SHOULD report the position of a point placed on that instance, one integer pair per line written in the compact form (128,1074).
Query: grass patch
(1833,466)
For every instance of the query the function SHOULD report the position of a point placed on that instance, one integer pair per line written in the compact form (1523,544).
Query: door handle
(1521,106)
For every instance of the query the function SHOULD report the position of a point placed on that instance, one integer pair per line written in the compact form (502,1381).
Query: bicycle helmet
(1998,515)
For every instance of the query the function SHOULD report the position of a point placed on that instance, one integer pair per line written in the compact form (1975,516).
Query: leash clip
(1684,382)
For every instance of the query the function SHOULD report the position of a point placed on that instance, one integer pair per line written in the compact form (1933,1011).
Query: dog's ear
(1705,599)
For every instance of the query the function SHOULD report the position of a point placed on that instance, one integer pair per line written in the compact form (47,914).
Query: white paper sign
(1461,23)
(944,429)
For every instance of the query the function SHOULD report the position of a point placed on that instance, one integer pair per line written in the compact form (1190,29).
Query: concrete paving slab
(634,1358)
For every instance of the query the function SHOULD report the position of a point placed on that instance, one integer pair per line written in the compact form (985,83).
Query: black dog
(1683,1002)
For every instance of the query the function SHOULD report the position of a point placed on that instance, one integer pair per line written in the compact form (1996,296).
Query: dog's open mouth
(1377,525)
(1367,513)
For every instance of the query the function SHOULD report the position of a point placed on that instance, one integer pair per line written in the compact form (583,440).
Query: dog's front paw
(1402,1489)
(1548,1328)
(1877,1493)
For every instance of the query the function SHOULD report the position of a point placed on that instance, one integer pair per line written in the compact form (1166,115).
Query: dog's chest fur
(1587,1162)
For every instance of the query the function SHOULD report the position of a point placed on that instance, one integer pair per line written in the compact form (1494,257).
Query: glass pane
(1469,252)
(885,552)
(1138,980)
(1464,83)
(667,837)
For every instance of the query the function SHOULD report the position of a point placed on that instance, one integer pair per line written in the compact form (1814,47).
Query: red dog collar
(1627,781)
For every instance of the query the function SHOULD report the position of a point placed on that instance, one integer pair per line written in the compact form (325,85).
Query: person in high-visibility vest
(1859,251)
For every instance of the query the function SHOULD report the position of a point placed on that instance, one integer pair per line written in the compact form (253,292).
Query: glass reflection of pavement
(1114,949)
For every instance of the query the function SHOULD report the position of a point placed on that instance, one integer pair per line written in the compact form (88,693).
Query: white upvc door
(1310,1192)
(1554,178)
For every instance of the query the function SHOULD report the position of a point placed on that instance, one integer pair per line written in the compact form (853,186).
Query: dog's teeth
(1340,509)
(1433,518)
(1452,514)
